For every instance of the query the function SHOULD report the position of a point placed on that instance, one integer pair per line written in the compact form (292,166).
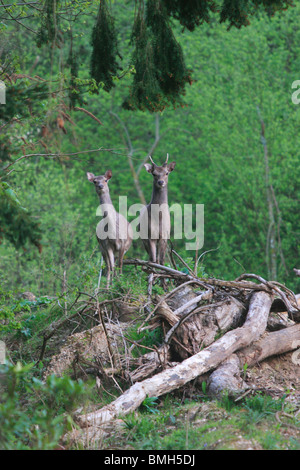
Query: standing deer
(114,233)
(155,222)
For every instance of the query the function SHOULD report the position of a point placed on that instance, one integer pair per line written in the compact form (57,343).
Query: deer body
(155,222)
(114,233)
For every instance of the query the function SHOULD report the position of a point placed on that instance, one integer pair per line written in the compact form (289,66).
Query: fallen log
(192,330)
(241,283)
(189,327)
(275,343)
(200,363)
(226,379)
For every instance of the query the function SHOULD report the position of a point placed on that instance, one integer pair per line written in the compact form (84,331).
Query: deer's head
(100,182)
(160,173)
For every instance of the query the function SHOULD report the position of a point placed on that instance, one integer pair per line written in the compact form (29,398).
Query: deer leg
(152,250)
(110,265)
(162,246)
(121,256)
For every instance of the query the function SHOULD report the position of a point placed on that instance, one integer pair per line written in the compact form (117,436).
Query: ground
(268,419)
(277,376)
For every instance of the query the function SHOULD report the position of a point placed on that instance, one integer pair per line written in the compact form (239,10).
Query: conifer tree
(104,65)
(49,23)
(161,74)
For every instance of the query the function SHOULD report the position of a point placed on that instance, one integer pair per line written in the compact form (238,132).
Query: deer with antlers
(155,222)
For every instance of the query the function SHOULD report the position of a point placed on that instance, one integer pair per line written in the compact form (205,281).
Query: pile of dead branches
(210,326)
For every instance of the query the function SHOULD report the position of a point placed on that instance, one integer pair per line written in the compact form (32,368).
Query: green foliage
(149,405)
(104,65)
(204,426)
(145,92)
(56,18)
(23,99)
(47,408)
(16,223)
(160,71)
(145,338)
(259,407)
(48,31)
(8,321)
(169,64)
(190,13)
(215,142)
(237,12)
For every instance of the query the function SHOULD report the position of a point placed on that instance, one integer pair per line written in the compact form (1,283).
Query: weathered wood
(189,369)
(205,282)
(275,343)
(193,329)
(151,362)
(226,378)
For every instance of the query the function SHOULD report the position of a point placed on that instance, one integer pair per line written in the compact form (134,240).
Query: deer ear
(171,166)
(148,167)
(90,177)
(108,174)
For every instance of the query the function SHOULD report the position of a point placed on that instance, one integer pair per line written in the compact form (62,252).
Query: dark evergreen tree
(168,56)
(49,23)
(145,90)
(161,74)
(104,65)
(16,224)
(190,13)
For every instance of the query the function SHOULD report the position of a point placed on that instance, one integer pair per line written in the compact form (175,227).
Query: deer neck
(159,195)
(106,204)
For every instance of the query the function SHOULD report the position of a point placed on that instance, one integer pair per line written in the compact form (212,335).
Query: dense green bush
(34,414)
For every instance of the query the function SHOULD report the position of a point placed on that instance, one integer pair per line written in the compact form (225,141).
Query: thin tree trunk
(271,254)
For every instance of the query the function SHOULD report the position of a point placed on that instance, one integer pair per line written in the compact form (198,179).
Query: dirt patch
(277,376)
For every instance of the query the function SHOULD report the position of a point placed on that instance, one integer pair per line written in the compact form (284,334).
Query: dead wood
(90,347)
(226,379)
(210,326)
(241,284)
(152,362)
(199,327)
(275,343)
(190,368)
(189,327)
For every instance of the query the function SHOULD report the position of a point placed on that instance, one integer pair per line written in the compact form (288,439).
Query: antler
(166,162)
(151,160)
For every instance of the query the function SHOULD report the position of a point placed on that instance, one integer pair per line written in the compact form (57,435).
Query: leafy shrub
(32,412)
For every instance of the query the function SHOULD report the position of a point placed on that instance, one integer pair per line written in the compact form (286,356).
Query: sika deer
(114,233)
(155,222)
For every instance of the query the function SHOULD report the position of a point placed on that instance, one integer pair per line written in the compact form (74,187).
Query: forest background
(89,90)
(249,184)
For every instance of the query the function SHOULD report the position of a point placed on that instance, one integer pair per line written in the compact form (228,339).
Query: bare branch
(76,108)
(56,155)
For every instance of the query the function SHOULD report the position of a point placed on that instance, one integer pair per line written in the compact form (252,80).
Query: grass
(160,423)
(207,425)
